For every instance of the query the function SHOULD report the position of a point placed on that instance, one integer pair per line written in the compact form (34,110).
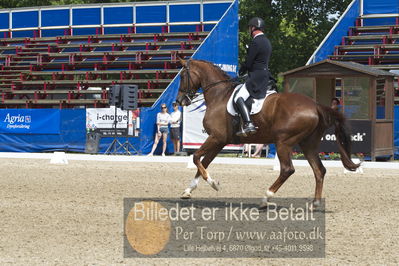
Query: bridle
(191,93)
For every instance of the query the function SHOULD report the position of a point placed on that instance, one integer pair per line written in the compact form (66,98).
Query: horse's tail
(329,117)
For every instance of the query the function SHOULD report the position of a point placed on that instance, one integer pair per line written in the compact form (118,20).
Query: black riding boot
(249,128)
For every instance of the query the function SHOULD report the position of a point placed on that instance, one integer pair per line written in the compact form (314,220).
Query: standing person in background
(163,119)
(335,104)
(175,127)
(258,150)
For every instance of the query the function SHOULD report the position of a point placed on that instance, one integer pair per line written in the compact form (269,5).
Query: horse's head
(189,83)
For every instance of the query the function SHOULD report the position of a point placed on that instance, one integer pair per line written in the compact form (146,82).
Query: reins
(211,85)
(191,95)
(220,81)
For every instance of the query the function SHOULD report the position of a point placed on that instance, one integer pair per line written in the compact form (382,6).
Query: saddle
(254,105)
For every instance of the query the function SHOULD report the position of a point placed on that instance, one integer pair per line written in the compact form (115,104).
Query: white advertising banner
(102,120)
(194,134)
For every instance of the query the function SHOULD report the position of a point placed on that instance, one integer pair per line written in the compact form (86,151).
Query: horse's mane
(224,75)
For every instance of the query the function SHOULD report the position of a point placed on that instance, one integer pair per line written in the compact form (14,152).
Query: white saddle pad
(256,105)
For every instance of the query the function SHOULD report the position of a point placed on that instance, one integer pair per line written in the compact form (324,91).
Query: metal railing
(133,25)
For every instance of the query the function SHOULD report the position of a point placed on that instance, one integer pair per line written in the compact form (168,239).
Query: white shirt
(175,119)
(260,33)
(163,118)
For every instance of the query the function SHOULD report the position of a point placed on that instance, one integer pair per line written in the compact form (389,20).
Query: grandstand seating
(373,45)
(73,71)
(376,45)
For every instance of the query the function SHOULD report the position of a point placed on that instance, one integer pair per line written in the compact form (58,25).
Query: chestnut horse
(286,119)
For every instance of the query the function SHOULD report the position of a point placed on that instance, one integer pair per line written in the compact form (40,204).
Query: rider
(257,65)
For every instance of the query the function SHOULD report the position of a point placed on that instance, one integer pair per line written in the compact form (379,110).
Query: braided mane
(224,75)
(216,68)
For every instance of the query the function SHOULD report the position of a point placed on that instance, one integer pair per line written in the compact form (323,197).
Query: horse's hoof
(263,205)
(215,185)
(314,205)
(186,195)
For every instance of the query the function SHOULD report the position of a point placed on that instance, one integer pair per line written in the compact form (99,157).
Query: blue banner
(29,121)
(334,37)
(220,47)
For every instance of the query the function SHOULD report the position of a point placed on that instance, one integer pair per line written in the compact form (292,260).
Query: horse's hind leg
(286,170)
(209,150)
(311,152)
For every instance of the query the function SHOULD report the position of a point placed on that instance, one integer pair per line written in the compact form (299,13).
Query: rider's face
(251,30)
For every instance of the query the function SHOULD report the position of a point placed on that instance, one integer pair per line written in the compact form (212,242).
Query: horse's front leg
(209,150)
(286,170)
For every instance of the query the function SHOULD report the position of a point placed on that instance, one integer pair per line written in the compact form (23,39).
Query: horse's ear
(182,61)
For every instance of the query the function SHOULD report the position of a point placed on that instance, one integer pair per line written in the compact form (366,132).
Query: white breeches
(243,93)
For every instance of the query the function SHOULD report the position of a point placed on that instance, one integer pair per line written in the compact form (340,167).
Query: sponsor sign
(194,133)
(30,121)
(102,121)
(360,136)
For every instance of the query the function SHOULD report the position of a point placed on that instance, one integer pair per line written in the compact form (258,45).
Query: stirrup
(241,133)
(250,129)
